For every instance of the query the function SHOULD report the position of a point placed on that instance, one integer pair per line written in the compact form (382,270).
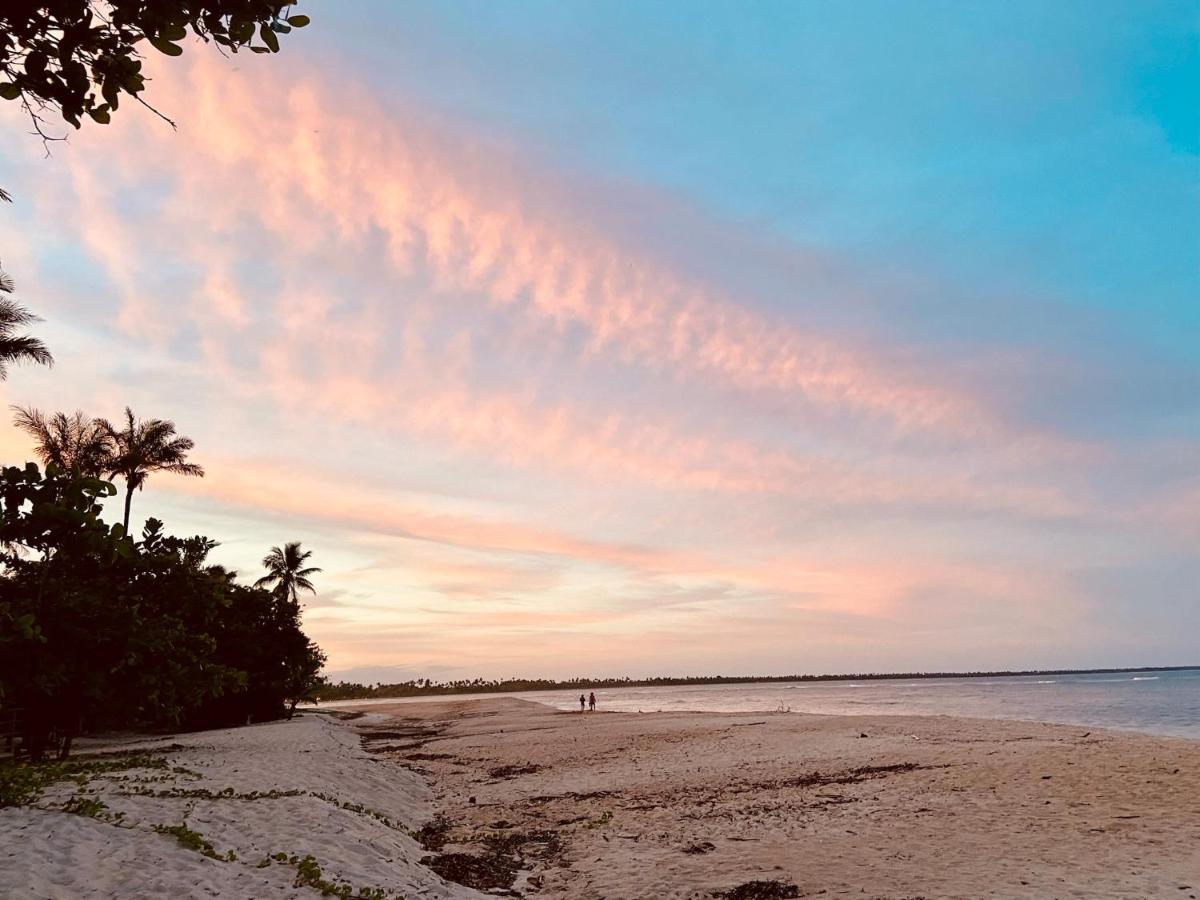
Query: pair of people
(590,701)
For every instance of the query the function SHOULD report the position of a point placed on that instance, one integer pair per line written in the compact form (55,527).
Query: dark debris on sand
(862,773)
(761,890)
(400,735)
(433,835)
(504,856)
(542,844)
(850,776)
(506,772)
(701,847)
(485,873)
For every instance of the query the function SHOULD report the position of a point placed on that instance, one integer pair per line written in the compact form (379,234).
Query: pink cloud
(313,164)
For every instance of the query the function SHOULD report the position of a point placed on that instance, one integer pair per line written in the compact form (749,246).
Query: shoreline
(1133,704)
(353,706)
(497,687)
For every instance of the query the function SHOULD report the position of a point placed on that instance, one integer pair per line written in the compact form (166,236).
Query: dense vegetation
(421,687)
(101,629)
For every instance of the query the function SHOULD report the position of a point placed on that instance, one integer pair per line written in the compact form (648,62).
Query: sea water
(1166,703)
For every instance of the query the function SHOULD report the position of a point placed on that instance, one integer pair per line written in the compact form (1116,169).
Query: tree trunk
(128,503)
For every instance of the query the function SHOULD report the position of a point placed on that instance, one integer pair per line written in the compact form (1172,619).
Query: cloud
(535,427)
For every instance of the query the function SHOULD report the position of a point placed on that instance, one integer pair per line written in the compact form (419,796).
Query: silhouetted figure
(591,701)
(581,702)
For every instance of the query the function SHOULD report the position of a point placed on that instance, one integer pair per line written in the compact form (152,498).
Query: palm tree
(16,348)
(13,347)
(145,446)
(75,443)
(286,571)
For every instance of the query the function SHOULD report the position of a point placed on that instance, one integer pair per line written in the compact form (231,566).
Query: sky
(672,338)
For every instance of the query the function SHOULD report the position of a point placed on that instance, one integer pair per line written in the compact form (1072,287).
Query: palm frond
(74,442)
(142,447)
(13,314)
(286,570)
(21,349)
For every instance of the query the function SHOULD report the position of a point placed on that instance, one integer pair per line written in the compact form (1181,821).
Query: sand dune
(326,798)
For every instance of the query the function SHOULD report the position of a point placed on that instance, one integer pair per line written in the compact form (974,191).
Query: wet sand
(627,805)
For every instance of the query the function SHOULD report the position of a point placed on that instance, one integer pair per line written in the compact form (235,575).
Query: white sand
(47,853)
(838,806)
(624,806)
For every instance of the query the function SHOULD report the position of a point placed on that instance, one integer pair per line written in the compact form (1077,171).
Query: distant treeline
(425,687)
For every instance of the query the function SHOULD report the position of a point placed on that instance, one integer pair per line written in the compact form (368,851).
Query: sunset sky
(660,338)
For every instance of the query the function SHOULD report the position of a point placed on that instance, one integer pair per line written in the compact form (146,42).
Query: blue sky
(663,337)
(1040,147)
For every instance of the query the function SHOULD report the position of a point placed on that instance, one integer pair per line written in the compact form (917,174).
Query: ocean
(1166,703)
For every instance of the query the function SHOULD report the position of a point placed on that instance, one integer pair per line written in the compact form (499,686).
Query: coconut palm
(75,443)
(286,572)
(16,348)
(143,446)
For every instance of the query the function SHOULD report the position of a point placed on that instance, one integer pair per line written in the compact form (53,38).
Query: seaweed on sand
(485,873)
(761,890)
(542,844)
(507,772)
(853,776)
(503,857)
(398,735)
(433,835)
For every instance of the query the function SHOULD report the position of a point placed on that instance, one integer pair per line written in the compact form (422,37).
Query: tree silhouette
(78,58)
(75,443)
(17,348)
(286,572)
(145,446)
(13,347)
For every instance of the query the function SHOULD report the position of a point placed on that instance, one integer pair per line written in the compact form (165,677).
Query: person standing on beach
(591,701)
(581,702)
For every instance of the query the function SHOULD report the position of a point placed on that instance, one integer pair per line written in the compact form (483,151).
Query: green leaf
(174,32)
(260,49)
(241,31)
(9,91)
(162,45)
(298,21)
(99,114)
(35,63)
(269,38)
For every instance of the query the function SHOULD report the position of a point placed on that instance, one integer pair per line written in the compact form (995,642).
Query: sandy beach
(626,805)
(255,802)
(503,796)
